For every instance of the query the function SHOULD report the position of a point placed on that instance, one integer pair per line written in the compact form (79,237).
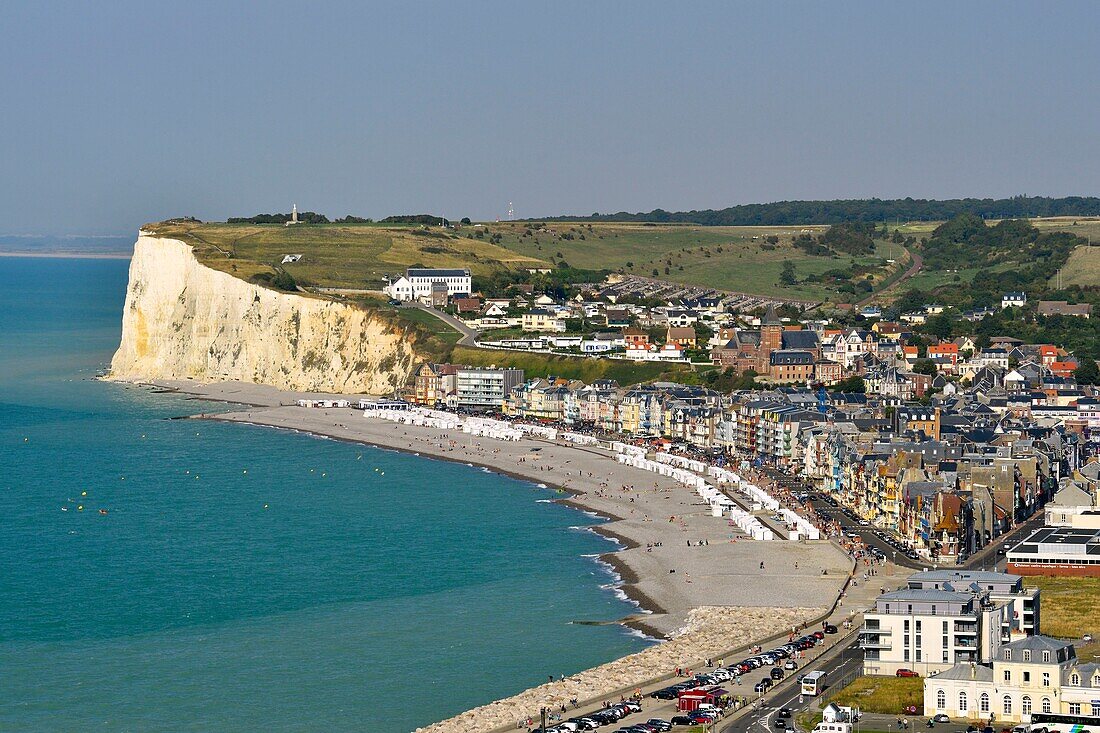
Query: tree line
(786,213)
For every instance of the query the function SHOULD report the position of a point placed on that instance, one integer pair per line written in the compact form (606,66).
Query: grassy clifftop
(336,255)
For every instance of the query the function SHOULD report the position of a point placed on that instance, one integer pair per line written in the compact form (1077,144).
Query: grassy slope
(571,367)
(1083,267)
(742,265)
(340,256)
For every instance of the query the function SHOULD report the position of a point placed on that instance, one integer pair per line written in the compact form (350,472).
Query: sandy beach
(698,581)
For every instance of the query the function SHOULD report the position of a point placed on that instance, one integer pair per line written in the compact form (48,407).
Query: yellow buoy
(80,508)
(245,471)
(265,506)
(83,493)
(323,475)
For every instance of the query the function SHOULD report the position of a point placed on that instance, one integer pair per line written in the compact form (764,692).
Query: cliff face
(182,320)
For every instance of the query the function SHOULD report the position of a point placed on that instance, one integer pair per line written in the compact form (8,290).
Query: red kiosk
(689,700)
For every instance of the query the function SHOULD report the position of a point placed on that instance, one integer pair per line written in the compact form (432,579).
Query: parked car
(941,718)
(763,685)
(903,672)
(777,673)
(661,725)
(681,720)
(790,664)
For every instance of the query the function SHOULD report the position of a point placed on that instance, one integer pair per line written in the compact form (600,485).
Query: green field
(338,255)
(727,258)
(573,367)
(357,256)
(1083,268)
(1070,608)
(887,695)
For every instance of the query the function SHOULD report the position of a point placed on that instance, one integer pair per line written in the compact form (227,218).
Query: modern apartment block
(485,389)
(945,617)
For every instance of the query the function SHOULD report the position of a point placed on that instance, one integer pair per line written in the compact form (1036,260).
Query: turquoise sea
(352,602)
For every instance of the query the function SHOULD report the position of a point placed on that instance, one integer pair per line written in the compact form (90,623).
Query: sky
(118,113)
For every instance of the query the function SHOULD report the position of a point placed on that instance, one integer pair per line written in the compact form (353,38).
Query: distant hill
(793,213)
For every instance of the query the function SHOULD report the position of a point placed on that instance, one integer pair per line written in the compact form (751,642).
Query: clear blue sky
(116,113)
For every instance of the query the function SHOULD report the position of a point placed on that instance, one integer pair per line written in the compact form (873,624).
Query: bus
(814,684)
(1052,722)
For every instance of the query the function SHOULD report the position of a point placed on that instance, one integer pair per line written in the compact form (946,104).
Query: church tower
(771,339)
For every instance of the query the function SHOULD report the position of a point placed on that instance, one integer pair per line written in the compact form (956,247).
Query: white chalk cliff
(183,320)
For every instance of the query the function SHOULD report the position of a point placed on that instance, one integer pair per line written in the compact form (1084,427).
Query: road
(839,664)
(916,263)
(469,335)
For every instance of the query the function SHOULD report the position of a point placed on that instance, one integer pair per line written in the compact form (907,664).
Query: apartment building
(944,618)
(485,389)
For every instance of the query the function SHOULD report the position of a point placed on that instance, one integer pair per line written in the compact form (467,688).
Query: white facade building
(417,283)
(944,618)
(1034,675)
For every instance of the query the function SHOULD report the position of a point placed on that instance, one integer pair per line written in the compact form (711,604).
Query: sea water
(241,578)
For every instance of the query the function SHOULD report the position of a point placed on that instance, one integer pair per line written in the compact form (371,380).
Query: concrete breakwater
(710,631)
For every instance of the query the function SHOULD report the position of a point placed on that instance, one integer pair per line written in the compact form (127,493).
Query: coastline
(696,560)
(701,586)
(62,255)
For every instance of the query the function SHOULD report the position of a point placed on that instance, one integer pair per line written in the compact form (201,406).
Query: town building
(542,320)
(1058,551)
(1036,674)
(484,389)
(417,283)
(944,618)
(1063,308)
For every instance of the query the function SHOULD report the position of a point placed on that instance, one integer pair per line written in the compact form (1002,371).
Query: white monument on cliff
(293,216)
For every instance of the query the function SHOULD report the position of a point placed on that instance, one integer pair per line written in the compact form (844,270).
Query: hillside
(740,259)
(355,256)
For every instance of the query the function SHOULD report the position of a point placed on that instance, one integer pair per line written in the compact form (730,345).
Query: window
(941,699)
(1046,656)
(1027,655)
(962,702)
(1075,708)
(1027,677)
(983,702)
(1006,705)
(1095,710)
(1008,676)
(1075,679)
(1046,704)
(1008,655)
(1025,705)
(1046,679)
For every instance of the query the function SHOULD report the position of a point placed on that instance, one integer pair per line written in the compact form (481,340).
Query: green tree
(925,366)
(939,325)
(1087,372)
(787,274)
(851,384)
